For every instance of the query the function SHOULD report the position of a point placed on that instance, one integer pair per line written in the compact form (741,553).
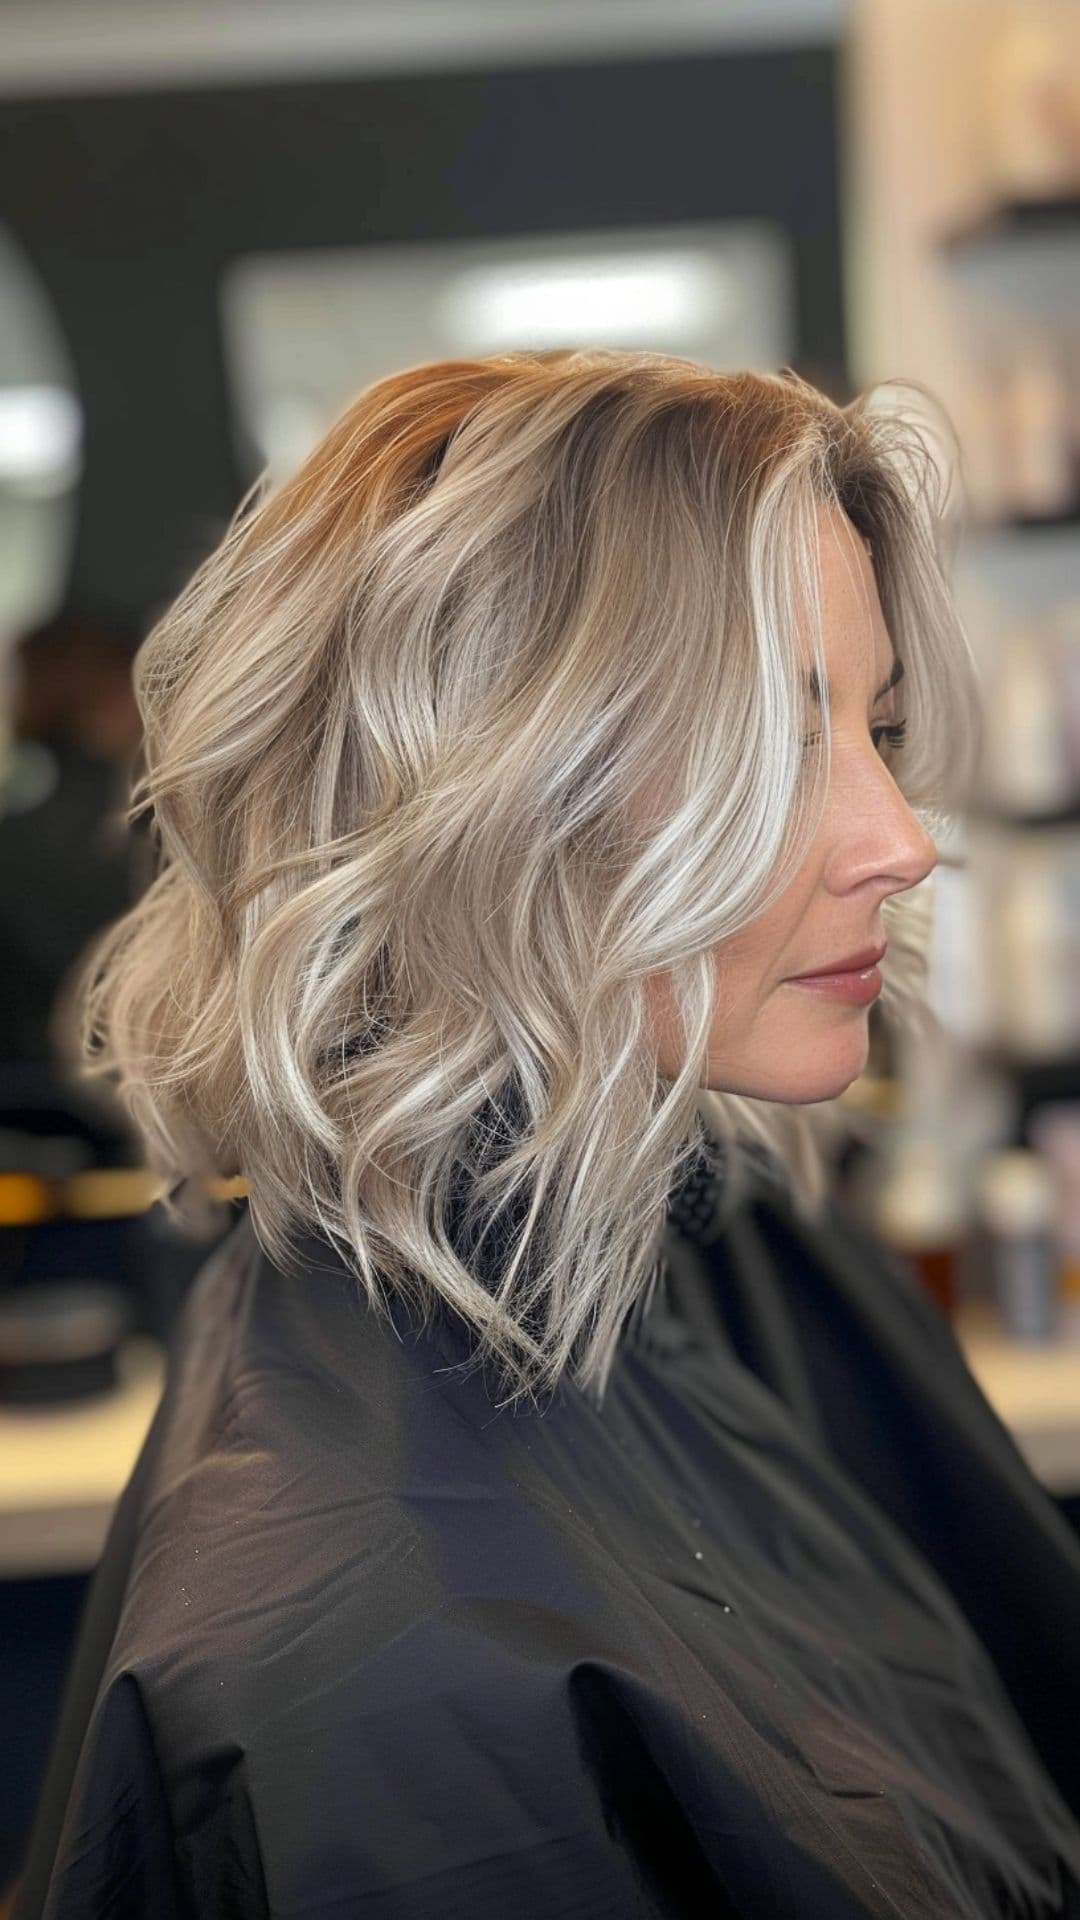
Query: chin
(826,1083)
(824,1074)
(819,1093)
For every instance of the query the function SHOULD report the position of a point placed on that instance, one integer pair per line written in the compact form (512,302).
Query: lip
(852,963)
(856,989)
(856,985)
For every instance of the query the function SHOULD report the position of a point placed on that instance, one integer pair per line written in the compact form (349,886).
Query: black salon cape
(361,1643)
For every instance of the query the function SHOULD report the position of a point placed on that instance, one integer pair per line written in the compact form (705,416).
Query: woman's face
(771,1039)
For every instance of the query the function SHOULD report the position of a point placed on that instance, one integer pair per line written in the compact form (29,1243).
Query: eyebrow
(813,682)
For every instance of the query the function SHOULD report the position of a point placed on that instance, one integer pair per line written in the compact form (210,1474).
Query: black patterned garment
(786,1631)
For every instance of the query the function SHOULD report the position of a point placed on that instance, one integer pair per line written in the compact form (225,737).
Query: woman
(557,1505)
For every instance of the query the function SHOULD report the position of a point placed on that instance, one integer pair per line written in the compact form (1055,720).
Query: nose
(880,839)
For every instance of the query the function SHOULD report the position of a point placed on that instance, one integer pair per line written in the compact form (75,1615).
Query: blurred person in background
(67,862)
(557,1504)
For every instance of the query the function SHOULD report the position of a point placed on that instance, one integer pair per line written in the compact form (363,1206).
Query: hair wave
(484,715)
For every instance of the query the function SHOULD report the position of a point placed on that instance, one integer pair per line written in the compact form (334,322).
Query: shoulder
(344,1662)
(281,1443)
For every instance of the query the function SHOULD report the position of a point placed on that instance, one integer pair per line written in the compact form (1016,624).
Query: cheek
(786,944)
(749,966)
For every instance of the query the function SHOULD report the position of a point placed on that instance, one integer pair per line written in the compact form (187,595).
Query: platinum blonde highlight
(486,714)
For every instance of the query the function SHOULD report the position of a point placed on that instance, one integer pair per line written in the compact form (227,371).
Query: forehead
(859,652)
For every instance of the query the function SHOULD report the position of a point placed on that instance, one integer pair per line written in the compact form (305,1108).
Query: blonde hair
(397,732)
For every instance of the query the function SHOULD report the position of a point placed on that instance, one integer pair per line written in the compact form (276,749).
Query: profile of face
(771,1039)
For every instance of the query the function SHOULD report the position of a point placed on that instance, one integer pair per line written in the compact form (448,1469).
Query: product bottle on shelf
(921,1211)
(1017,1200)
(1030,887)
(1036,426)
(1028,761)
(1066,629)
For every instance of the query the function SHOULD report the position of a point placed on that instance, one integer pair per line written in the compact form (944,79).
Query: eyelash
(895,733)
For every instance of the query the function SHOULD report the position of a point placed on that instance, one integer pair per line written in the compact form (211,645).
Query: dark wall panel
(130,205)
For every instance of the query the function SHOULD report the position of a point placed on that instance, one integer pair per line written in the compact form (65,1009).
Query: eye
(894,733)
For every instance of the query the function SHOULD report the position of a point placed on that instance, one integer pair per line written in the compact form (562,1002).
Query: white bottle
(1028,764)
(1067,632)
(1038,462)
(1035,947)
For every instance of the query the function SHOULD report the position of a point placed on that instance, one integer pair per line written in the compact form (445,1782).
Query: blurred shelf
(1032,564)
(1034,1082)
(1065,816)
(1057,218)
(1068,521)
(62,1469)
(1019,255)
(96,1193)
(1034,1390)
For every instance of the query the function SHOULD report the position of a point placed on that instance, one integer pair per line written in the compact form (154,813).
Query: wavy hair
(488,712)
